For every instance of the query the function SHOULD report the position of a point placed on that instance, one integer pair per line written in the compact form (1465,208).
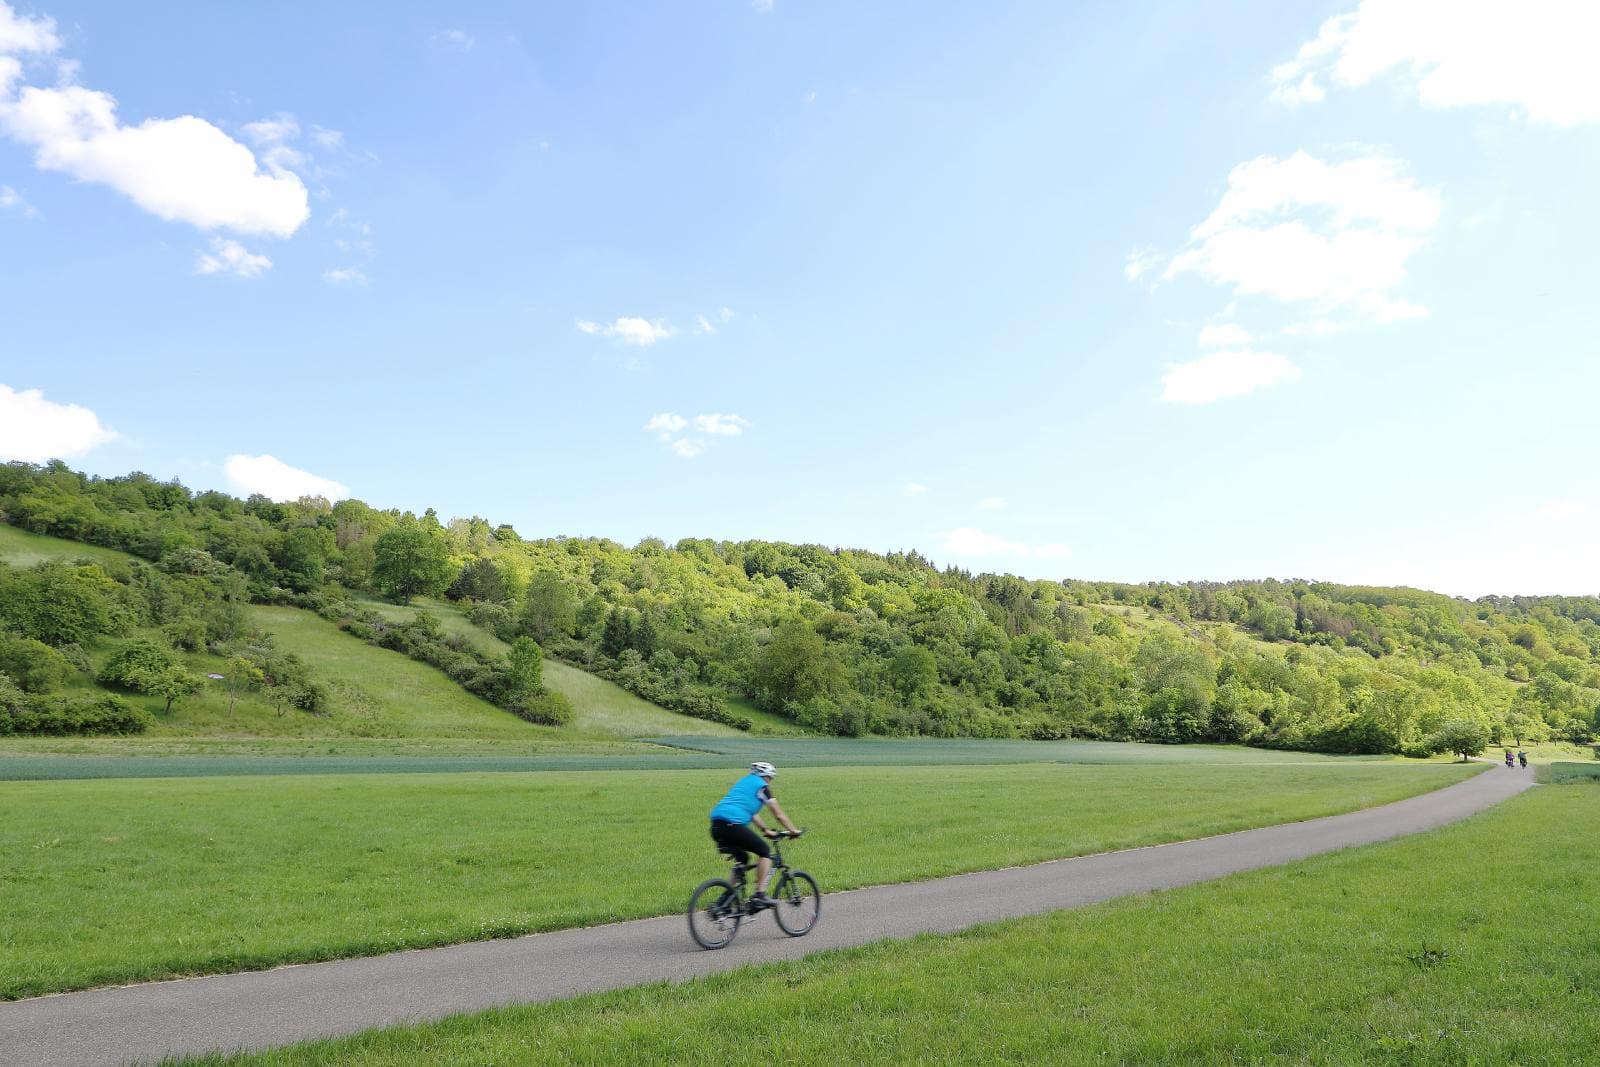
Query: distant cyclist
(731,819)
(1509,757)
(1522,757)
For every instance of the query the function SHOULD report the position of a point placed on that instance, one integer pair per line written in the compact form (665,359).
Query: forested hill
(856,642)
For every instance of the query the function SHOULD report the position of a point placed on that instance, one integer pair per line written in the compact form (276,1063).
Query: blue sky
(1154,291)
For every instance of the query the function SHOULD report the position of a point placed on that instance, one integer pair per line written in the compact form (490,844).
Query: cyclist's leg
(747,840)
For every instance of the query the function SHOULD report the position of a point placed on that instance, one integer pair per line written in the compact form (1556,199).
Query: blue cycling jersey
(744,801)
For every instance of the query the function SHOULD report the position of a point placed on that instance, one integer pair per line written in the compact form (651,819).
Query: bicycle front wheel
(714,913)
(796,903)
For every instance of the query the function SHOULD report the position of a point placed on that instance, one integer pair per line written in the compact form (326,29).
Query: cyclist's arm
(776,810)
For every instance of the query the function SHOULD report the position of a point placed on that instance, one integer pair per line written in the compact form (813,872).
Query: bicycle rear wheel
(796,903)
(715,911)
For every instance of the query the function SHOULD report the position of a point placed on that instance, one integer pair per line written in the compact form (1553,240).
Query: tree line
(854,643)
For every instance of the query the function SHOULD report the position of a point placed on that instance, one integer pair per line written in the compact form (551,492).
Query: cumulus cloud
(969,542)
(273,478)
(1534,56)
(344,276)
(629,330)
(33,429)
(1224,374)
(1224,333)
(20,34)
(231,257)
(1332,237)
(180,169)
(669,429)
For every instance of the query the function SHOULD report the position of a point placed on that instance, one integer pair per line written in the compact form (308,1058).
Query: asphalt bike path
(263,1009)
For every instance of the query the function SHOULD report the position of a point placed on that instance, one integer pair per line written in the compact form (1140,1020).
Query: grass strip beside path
(125,880)
(1445,948)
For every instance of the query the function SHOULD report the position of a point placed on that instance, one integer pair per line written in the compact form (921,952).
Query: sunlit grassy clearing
(119,880)
(1447,948)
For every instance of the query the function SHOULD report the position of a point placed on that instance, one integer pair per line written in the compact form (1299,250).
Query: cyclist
(731,819)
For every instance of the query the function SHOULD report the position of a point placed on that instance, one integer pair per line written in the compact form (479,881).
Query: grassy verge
(109,881)
(1446,948)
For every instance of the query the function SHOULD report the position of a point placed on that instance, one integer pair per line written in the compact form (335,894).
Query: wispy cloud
(992,503)
(668,428)
(344,276)
(33,429)
(11,200)
(629,330)
(914,489)
(1225,333)
(230,257)
(455,39)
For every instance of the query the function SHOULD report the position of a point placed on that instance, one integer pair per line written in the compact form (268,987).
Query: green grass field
(1446,948)
(23,549)
(124,880)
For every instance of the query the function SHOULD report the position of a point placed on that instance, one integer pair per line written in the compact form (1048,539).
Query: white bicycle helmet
(764,769)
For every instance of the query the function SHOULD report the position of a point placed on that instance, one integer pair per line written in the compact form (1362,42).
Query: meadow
(106,881)
(1445,948)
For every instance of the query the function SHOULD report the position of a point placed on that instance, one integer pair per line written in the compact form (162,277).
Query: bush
(132,666)
(547,708)
(102,715)
(33,665)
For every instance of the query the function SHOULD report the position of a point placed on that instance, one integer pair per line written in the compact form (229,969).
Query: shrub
(101,715)
(547,708)
(33,665)
(132,666)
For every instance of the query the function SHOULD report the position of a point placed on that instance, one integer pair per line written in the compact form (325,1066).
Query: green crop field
(57,758)
(122,880)
(1447,948)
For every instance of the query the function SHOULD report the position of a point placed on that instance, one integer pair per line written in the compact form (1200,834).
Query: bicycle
(719,905)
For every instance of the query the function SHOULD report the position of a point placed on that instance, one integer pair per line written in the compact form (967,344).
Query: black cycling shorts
(738,840)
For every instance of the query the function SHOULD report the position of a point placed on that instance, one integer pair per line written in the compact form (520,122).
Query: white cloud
(721,425)
(1223,333)
(182,169)
(326,138)
(669,426)
(1224,374)
(24,33)
(666,424)
(914,489)
(629,330)
(1535,56)
(810,96)
(230,257)
(1335,237)
(763,7)
(460,40)
(344,276)
(703,325)
(992,503)
(1551,549)
(971,543)
(687,447)
(33,429)
(10,199)
(1140,263)
(273,478)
